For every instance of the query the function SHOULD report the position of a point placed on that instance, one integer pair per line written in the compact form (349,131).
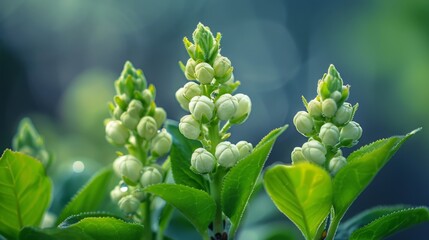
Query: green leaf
(392,223)
(362,167)
(25,192)
(90,197)
(195,204)
(91,228)
(363,218)
(180,157)
(78,217)
(240,181)
(303,192)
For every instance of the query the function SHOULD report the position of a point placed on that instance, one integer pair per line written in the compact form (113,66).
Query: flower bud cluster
(28,141)
(328,123)
(137,123)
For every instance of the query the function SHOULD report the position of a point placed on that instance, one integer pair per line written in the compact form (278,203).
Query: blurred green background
(58,61)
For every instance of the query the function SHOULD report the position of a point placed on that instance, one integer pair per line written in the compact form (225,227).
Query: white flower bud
(161,143)
(243,110)
(189,127)
(227,154)
(315,108)
(329,107)
(160,115)
(336,164)
(116,194)
(204,73)
(117,112)
(303,122)
(222,69)
(184,103)
(130,121)
(226,106)
(350,133)
(135,107)
(147,127)
(297,156)
(329,134)
(147,96)
(244,148)
(129,204)
(191,90)
(203,161)
(314,151)
(150,176)
(128,167)
(116,133)
(190,69)
(201,108)
(336,95)
(343,114)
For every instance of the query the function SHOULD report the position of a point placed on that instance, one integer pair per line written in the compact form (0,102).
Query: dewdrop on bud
(222,69)
(116,194)
(244,148)
(161,143)
(314,151)
(204,73)
(227,154)
(150,176)
(226,106)
(303,122)
(315,108)
(190,69)
(129,120)
(116,133)
(147,127)
(160,115)
(329,134)
(329,107)
(336,164)
(350,134)
(343,114)
(189,127)
(184,103)
(201,108)
(129,204)
(243,110)
(128,167)
(203,161)
(297,156)
(135,107)
(191,90)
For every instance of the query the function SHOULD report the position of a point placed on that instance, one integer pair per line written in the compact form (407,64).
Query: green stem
(215,191)
(147,221)
(333,227)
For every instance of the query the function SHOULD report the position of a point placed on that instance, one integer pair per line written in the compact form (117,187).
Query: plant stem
(215,191)
(333,227)
(147,221)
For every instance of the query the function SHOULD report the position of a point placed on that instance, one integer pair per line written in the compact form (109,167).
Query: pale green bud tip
(161,144)
(297,156)
(129,120)
(244,148)
(329,107)
(336,164)
(189,127)
(129,204)
(314,151)
(150,176)
(147,127)
(226,106)
(116,133)
(227,154)
(303,122)
(191,90)
(204,73)
(203,161)
(329,134)
(135,107)
(116,194)
(160,115)
(343,114)
(128,167)
(315,108)
(201,108)
(243,110)
(350,133)
(190,69)
(222,69)
(184,103)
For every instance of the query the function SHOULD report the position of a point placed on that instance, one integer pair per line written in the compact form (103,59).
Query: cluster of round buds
(226,155)
(129,194)
(134,114)
(328,123)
